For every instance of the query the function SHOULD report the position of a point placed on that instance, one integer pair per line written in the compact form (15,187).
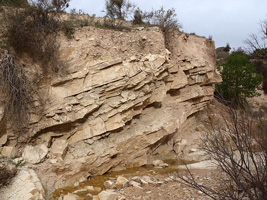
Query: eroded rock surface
(121,104)
(25,186)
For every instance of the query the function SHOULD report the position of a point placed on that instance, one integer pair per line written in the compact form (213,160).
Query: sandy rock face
(35,154)
(26,185)
(108,195)
(59,148)
(7,171)
(121,103)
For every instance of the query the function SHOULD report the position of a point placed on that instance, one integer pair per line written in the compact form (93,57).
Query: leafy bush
(239,80)
(68,28)
(261,68)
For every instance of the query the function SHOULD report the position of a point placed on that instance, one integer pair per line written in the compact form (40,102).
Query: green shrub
(68,28)
(240,79)
(261,68)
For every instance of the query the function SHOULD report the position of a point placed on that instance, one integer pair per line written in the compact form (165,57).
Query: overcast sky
(227,21)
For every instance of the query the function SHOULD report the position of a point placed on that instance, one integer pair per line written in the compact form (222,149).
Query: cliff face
(121,104)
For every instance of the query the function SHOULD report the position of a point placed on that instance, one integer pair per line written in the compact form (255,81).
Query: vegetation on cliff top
(32,31)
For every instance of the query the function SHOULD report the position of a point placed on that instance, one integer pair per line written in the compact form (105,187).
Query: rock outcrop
(121,104)
(25,186)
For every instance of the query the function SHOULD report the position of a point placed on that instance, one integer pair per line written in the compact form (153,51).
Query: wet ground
(165,187)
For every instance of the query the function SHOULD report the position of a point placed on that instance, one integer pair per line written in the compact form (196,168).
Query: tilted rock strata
(121,104)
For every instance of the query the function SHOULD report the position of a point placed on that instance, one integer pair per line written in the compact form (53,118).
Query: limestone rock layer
(121,103)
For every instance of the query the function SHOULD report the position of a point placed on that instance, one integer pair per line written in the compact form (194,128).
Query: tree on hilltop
(119,9)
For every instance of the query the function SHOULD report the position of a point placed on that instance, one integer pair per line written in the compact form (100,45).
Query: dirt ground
(168,187)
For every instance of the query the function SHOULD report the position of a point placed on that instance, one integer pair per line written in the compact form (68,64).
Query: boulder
(3,140)
(59,148)
(9,151)
(70,196)
(95,197)
(35,154)
(121,181)
(179,146)
(147,179)
(108,195)
(109,184)
(159,163)
(134,184)
(92,189)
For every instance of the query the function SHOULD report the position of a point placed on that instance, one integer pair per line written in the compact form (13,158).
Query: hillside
(123,101)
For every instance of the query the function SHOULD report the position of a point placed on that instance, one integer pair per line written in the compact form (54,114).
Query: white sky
(227,21)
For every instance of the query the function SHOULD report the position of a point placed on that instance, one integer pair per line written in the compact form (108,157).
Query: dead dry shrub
(15,91)
(165,19)
(33,30)
(238,146)
(119,9)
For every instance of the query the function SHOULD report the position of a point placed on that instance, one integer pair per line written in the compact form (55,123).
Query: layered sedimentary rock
(26,185)
(121,104)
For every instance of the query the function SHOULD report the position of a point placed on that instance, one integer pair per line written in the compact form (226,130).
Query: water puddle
(96,184)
